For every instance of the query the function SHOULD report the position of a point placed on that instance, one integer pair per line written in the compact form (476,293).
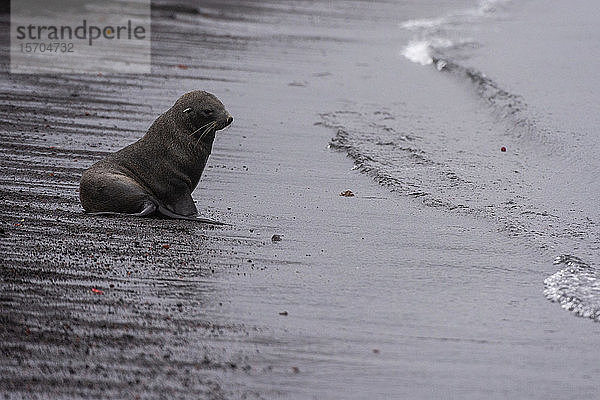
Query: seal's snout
(226,121)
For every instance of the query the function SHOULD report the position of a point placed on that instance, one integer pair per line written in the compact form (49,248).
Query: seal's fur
(158,173)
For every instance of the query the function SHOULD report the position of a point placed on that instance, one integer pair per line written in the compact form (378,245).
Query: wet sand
(369,296)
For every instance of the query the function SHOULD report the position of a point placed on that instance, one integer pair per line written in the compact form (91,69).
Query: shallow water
(521,65)
(437,288)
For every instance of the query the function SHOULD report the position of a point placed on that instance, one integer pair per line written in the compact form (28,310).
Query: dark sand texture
(373,296)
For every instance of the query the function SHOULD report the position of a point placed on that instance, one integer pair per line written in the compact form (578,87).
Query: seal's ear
(187,110)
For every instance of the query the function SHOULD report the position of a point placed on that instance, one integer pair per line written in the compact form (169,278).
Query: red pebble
(97,291)
(503,149)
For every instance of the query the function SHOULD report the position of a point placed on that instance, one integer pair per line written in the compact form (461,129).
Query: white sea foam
(576,288)
(415,24)
(484,8)
(420,51)
(428,30)
(489,6)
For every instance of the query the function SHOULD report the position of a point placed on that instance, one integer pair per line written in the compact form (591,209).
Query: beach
(427,283)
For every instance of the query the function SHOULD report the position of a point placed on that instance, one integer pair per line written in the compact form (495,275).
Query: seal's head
(201,114)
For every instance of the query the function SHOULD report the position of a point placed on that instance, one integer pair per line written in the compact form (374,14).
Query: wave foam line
(484,8)
(420,51)
(576,288)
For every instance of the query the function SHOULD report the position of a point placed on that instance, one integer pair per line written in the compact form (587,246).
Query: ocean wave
(442,42)
(401,150)
(576,288)
(420,51)
(483,9)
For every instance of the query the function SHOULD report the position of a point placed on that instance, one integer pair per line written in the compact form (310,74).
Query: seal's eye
(187,110)
(208,112)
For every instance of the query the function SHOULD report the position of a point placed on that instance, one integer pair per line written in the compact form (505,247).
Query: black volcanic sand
(366,296)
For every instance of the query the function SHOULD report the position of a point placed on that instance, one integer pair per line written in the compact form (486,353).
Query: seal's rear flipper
(163,211)
(208,221)
(149,208)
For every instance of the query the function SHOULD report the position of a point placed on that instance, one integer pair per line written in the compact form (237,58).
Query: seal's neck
(183,149)
(194,147)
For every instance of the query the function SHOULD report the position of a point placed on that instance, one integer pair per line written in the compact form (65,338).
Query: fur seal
(157,174)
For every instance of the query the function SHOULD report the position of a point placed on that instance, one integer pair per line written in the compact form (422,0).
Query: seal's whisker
(202,127)
(210,128)
(206,131)
(198,142)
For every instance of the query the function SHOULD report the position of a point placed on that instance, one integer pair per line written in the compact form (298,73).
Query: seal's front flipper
(167,213)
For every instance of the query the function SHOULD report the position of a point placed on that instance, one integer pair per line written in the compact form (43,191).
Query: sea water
(526,160)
